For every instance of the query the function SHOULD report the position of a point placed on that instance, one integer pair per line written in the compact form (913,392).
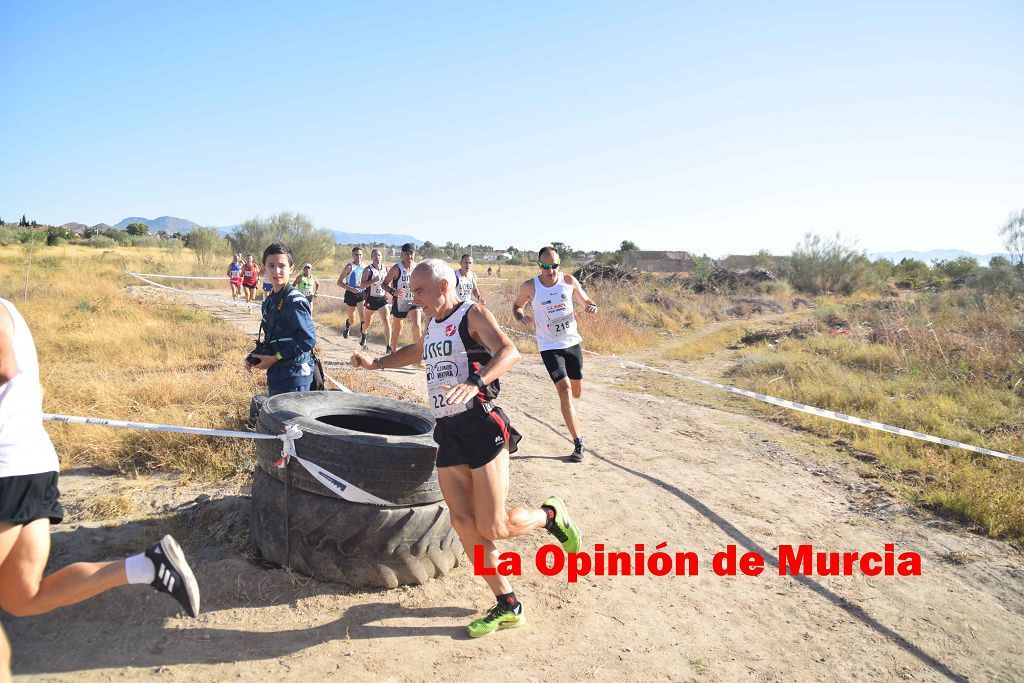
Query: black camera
(261,349)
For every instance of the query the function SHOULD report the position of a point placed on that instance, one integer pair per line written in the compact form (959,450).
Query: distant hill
(101,226)
(74,226)
(935,255)
(168,223)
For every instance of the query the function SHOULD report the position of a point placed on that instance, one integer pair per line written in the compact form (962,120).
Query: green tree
(207,244)
(628,245)
(55,235)
(911,273)
(763,260)
(24,222)
(957,269)
(137,229)
(308,244)
(1012,233)
(999,262)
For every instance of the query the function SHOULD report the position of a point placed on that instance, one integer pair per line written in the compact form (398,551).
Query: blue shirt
(289,333)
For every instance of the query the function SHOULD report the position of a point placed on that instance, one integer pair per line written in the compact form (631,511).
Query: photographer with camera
(287,336)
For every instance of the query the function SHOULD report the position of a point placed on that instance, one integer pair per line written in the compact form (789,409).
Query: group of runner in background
(371,290)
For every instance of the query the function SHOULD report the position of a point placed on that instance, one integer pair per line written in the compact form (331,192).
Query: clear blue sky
(713,127)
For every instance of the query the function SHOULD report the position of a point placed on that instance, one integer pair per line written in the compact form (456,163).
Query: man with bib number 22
(466,353)
(552,293)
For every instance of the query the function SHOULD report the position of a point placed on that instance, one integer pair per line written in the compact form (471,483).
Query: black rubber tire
(255,406)
(398,469)
(361,545)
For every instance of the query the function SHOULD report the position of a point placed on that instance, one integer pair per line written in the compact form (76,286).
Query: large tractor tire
(364,546)
(379,445)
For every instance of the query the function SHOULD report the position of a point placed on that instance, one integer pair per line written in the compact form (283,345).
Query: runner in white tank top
(25,447)
(30,503)
(397,283)
(376,297)
(465,353)
(554,295)
(465,281)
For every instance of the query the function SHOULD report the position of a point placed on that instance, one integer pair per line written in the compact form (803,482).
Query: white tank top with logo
(554,315)
(25,447)
(376,277)
(404,282)
(464,284)
(447,361)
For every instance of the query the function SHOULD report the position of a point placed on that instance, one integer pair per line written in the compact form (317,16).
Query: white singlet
(25,447)
(554,315)
(447,360)
(404,282)
(376,277)
(464,284)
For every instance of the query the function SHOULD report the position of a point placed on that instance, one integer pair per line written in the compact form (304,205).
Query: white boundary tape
(333,483)
(830,414)
(810,410)
(184,277)
(185,291)
(290,435)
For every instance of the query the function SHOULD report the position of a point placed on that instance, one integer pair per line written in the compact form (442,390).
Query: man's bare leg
(24,591)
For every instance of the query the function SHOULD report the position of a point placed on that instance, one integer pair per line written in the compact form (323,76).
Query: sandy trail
(660,470)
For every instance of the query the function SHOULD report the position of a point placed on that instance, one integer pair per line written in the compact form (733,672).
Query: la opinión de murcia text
(800,560)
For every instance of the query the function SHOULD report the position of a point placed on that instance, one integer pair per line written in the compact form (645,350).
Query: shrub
(820,266)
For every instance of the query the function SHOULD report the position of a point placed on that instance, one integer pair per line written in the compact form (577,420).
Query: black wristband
(476,379)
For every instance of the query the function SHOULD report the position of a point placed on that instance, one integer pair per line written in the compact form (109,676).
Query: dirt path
(667,471)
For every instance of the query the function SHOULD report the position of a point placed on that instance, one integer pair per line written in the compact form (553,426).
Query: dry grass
(950,365)
(106,354)
(703,343)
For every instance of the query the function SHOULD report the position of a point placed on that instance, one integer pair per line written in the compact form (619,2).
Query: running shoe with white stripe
(173,575)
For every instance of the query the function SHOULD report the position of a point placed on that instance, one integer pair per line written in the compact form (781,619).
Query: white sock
(139,569)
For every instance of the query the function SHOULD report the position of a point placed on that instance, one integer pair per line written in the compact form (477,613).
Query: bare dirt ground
(660,470)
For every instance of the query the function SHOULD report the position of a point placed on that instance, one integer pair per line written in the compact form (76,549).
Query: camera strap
(260,337)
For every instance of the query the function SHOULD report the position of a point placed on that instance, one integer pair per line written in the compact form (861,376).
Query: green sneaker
(497,617)
(562,527)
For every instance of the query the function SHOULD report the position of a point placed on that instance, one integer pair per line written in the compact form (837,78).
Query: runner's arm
(389,278)
(367,278)
(341,278)
(295,282)
(8,362)
(581,295)
(409,354)
(477,296)
(525,294)
(485,329)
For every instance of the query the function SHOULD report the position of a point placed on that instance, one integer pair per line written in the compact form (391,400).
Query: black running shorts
(375,303)
(562,363)
(401,314)
(474,438)
(28,497)
(352,299)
